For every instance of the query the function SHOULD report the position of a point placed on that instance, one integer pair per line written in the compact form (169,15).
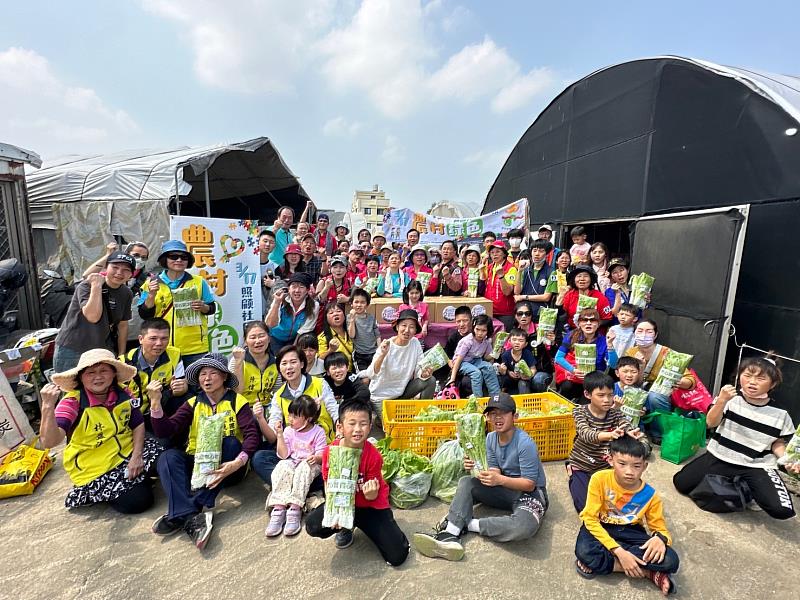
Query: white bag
(15,429)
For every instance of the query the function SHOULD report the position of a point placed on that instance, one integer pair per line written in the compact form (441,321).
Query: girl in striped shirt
(751,433)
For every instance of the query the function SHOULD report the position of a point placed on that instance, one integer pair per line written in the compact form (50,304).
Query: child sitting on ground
(471,357)
(620,336)
(619,504)
(596,425)
(373,515)
(342,386)
(300,449)
(513,481)
(308,343)
(362,329)
(751,432)
(513,381)
(414,298)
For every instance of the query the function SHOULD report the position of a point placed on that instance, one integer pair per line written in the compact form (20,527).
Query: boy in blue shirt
(514,481)
(511,379)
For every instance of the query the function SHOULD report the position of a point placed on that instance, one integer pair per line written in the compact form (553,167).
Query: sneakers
(166,526)
(199,528)
(344,539)
(276,522)
(293,525)
(441,545)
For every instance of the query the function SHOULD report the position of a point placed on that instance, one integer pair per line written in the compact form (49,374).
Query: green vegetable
(673,368)
(370,284)
(340,488)
(633,400)
(499,340)
(412,482)
(641,286)
(585,357)
(471,406)
(208,448)
(792,453)
(424,279)
(185,315)
(391,458)
(448,468)
(523,369)
(434,358)
(473,277)
(471,430)
(434,413)
(585,302)
(547,324)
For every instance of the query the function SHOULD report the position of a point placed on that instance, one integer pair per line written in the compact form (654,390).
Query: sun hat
(408,313)
(174,246)
(420,248)
(123,259)
(216,361)
(68,380)
(293,249)
(342,224)
(473,248)
(577,271)
(377,231)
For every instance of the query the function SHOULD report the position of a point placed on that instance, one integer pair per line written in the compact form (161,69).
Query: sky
(425,98)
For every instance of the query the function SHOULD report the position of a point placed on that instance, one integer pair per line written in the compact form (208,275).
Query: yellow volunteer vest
(257,384)
(313,389)
(100,440)
(203,408)
(162,373)
(189,340)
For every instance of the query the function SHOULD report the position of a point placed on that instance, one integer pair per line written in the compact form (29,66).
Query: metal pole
(177,194)
(208,198)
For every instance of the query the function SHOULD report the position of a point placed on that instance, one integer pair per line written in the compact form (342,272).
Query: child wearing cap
(513,481)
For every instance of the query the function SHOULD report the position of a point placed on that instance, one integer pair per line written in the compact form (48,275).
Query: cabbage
(448,468)
(412,482)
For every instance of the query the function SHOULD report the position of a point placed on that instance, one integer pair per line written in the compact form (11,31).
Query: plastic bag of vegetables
(471,431)
(499,341)
(433,358)
(790,456)
(633,400)
(641,286)
(585,302)
(340,488)
(547,324)
(412,482)
(673,368)
(208,448)
(585,357)
(448,468)
(522,368)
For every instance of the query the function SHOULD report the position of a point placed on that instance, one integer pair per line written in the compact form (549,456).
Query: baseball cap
(547,227)
(501,401)
(121,257)
(617,262)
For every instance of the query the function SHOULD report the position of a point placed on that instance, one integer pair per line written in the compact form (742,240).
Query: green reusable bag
(682,436)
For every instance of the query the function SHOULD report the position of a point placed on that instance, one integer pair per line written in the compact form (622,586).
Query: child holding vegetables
(513,480)
(372,513)
(518,367)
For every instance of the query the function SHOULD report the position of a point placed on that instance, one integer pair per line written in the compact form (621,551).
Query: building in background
(371,203)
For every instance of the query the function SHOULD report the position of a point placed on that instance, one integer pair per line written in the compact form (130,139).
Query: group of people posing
(315,372)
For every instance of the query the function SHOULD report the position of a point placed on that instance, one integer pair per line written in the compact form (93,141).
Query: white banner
(435,230)
(225,255)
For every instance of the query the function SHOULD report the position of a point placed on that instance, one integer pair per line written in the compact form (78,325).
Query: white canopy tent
(87,200)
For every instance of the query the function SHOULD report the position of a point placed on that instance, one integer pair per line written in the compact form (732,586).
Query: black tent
(692,170)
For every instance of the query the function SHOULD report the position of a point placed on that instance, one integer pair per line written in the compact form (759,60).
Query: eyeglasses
(588,320)
(178,257)
(524,313)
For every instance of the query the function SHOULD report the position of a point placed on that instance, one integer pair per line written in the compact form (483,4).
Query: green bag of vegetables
(585,302)
(340,488)
(641,286)
(792,453)
(434,358)
(585,357)
(185,315)
(547,324)
(499,341)
(411,484)
(473,277)
(208,448)
(522,368)
(424,280)
(673,368)
(633,400)
(471,430)
(448,468)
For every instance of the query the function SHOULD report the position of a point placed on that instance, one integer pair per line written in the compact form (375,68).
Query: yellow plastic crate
(553,434)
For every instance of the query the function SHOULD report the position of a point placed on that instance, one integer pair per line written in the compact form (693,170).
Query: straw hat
(68,380)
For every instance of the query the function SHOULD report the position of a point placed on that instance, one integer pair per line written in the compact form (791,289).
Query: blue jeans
(600,560)
(65,359)
(535,385)
(479,371)
(175,474)
(656,402)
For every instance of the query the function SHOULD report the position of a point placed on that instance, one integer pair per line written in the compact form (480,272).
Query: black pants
(377,524)
(765,485)
(508,321)
(362,361)
(572,390)
(600,560)
(136,500)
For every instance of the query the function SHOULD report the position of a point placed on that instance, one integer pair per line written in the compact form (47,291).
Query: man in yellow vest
(158,300)
(155,359)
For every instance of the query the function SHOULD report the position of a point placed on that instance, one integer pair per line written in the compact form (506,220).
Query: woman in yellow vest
(157,300)
(240,438)
(292,368)
(254,365)
(106,456)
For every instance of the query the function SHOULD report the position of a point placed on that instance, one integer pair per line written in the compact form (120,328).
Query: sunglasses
(178,257)
(524,313)
(588,320)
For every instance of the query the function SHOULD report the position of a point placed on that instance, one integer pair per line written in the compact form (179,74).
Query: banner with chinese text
(435,230)
(225,255)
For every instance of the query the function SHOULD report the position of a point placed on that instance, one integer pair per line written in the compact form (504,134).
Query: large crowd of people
(315,371)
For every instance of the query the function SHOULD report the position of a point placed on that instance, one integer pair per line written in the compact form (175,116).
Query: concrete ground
(95,553)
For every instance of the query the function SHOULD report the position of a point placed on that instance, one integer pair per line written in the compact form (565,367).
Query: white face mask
(140,262)
(515,242)
(645,340)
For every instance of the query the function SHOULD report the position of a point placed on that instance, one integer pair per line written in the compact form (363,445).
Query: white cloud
(522,90)
(393,151)
(487,159)
(257,46)
(30,89)
(341,127)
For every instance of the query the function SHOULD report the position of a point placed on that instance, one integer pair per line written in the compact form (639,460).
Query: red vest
(501,304)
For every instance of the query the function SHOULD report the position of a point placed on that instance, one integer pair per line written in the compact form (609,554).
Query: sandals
(582,573)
